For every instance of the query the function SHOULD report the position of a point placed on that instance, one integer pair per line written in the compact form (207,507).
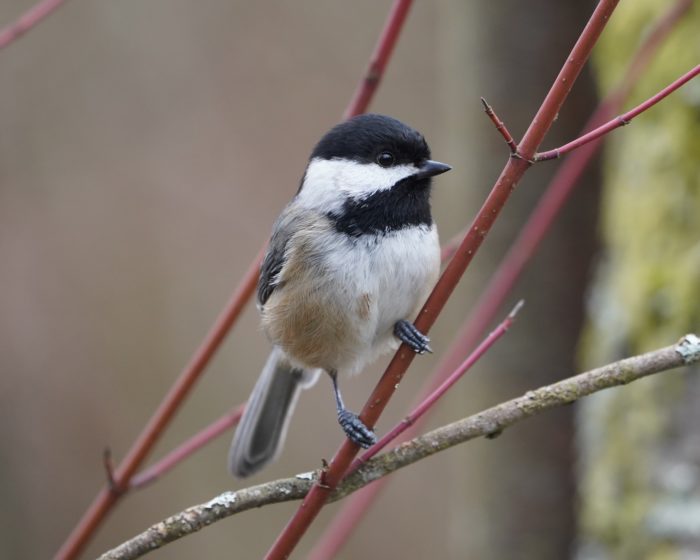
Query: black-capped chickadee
(351,260)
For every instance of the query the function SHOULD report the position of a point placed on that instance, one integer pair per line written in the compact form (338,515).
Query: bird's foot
(407,332)
(355,429)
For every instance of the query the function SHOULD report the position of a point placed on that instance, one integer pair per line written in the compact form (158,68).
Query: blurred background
(146,149)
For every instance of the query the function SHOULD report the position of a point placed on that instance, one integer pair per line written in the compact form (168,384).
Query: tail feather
(263,427)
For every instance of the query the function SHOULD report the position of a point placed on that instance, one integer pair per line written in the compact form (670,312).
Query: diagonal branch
(430,400)
(500,126)
(379,59)
(620,120)
(110,494)
(28,20)
(189,447)
(487,423)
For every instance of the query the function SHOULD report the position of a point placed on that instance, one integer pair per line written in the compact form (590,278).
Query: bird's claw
(355,429)
(407,333)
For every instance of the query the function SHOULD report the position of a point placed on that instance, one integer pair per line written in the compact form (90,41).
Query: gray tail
(260,434)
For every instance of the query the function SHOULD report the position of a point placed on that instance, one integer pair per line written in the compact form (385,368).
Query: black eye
(385,159)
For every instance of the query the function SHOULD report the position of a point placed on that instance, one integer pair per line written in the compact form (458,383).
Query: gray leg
(407,332)
(354,428)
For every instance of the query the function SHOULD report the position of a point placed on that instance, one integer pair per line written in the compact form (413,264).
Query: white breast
(395,271)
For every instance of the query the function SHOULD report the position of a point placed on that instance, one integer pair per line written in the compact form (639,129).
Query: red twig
(510,269)
(435,395)
(649,47)
(513,171)
(620,120)
(379,59)
(192,445)
(108,465)
(500,126)
(107,497)
(26,21)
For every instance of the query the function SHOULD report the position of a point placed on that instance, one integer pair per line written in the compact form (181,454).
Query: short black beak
(430,168)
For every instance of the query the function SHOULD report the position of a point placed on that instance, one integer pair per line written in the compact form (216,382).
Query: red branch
(379,59)
(108,466)
(435,395)
(509,271)
(513,171)
(28,20)
(354,509)
(189,447)
(108,496)
(620,120)
(500,126)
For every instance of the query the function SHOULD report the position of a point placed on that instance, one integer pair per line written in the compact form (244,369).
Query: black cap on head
(364,137)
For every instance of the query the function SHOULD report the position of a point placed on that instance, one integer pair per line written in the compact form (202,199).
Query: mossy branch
(487,423)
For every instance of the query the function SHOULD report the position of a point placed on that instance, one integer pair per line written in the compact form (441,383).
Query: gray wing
(289,222)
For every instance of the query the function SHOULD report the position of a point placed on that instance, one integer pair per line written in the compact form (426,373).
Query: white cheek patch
(329,182)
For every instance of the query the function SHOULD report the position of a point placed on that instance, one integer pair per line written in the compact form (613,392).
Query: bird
(351,259)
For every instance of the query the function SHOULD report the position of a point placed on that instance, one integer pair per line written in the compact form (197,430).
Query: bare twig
(571,169)
(28,20)
(513,171)
(445,386)
(187,448)
(108,465)
(379,59)
(500,126)
(110,494)
(567,176)
(620,120)
(484,424)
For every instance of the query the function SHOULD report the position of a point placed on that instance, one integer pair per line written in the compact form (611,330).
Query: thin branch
(500,126)
(379,59)
(28,20)
(187,448)
(352,511)
(108,465)
(109,495)
(572,168)
(445,386)
(513,171)
(487,423)
(647,50)
(620,120)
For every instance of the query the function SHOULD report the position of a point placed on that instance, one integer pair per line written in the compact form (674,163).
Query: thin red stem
(435,395)
(512,266)
(108,465)
(500,126)
(620,120)
(28,20)
(187,448)
(649,47)
(379,59)
(109,495)
(513,171)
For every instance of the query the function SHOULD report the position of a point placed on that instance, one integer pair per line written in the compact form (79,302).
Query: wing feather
(291,221)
